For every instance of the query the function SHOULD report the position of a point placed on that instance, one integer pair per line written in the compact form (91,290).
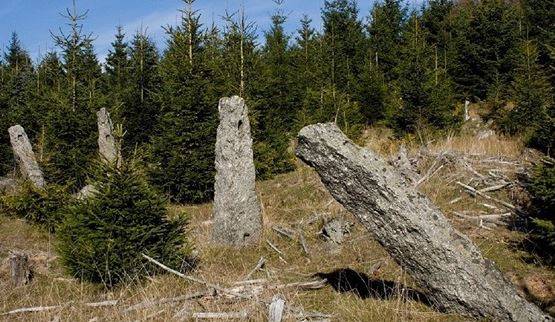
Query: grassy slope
(288,200)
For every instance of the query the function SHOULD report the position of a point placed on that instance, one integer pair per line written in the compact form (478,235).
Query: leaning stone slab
(412,229)
(23,151)
(237,215)
(107,147)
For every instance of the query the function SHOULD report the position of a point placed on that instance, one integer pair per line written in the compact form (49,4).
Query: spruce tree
(385,29)
(278,101)
(240,59)
(16,97)
(534,113)
(372,92)
(118,71)
(142,105)
(485,36)
(71,138)
(103,237)
(345,42)
(182,152)
(425,88)
(308,74)
(539,17)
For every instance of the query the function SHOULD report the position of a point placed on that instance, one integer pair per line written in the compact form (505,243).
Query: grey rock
(237,215)
(336,230)
(443,261)
(26,160)
(404,166)
(107,146)
(466,110)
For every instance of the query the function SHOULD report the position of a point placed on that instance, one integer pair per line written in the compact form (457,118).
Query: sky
(33,20)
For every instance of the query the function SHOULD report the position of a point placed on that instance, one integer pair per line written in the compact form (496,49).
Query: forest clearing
(391,163)
(297,203)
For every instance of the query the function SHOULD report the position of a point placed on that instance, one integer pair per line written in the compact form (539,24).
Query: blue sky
(34,19)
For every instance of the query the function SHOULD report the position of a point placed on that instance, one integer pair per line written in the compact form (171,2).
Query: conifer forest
(388,165)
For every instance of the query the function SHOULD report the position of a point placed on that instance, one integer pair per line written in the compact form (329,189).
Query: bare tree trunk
(415,233)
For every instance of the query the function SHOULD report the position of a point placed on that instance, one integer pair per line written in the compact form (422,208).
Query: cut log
(444,262)
(20,269)
(25,156)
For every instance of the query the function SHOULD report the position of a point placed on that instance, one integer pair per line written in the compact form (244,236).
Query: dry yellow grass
(288,200)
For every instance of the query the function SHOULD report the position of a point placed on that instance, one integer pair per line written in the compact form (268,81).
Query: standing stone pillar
(237,215)
(25,156)
(466,110)
(107,147)
(444,262)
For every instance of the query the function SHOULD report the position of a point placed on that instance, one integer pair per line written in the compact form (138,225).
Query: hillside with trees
(466,86)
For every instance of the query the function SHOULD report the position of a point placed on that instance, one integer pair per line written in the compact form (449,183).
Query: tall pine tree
(182,152)
(70,142)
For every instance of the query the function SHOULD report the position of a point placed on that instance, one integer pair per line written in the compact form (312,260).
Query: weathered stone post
(237,215)
(26,160)
(466,110)
(412,229)
(107,146)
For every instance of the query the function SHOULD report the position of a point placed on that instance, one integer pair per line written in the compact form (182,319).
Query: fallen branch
(103,303)
(150,303)
(220,315)
(194,279)
(428,175)
(480,193)
(312,316)
(33,309)
(259,265)
(48,308)
(455,200)
(312,285)
(494,188)
(274,248)
(284,232)
(304,245)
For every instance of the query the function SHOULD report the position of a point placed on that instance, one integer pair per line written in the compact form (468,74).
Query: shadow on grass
(347,280)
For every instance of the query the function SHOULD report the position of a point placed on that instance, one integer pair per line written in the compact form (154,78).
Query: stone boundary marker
(444,262)
(25,156)
(107,147)
(237,213)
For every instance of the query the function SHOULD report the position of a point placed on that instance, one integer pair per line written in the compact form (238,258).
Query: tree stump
(20,269)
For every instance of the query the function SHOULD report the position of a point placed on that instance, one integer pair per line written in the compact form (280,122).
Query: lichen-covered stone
(107,147)
(412,229)
(237,215)
(26,160)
